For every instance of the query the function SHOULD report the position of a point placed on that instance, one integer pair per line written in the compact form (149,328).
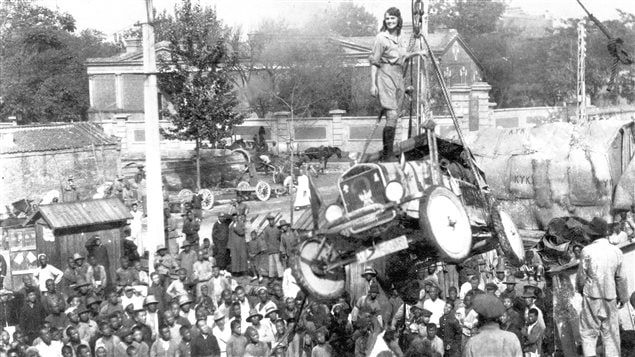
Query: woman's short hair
(393,11)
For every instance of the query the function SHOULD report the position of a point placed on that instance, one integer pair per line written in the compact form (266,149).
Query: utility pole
(581,85)
(153,151)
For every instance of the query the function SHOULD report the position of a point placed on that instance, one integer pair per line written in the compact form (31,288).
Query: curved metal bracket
(417,17)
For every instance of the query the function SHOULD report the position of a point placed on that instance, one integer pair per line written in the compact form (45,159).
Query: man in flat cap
(271,235)
(491,340)
(530,303)
(602,283)
(220,235)
(491,288)
(510,288)
(368,302)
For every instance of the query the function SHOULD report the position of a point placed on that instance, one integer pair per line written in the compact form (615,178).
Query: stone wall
(30,175)
(349,133)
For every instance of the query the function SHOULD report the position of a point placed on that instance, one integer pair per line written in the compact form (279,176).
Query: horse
(240,144)
(322,153)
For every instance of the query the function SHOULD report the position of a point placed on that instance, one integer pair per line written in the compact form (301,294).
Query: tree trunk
(198,164)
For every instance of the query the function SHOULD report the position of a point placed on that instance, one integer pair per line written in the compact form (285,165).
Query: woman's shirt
(388,49)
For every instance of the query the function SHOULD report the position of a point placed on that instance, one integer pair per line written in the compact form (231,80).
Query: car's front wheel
(308,269)
(445,223)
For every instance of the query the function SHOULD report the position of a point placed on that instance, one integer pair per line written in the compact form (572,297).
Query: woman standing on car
(387,68)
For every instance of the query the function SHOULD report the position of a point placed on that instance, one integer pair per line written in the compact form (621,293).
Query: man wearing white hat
(264,300)
(264,329)
(151,305)
(221,331)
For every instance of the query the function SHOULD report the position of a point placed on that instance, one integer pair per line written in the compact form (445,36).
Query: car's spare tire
(508,237)
(445,223)
(326,285)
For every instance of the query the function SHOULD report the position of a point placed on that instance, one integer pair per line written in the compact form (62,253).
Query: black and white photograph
(317,178)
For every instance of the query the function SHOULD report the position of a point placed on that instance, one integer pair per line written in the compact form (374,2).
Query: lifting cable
(417,16)
(615,48)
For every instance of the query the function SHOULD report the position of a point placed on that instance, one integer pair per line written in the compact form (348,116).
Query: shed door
(70,242)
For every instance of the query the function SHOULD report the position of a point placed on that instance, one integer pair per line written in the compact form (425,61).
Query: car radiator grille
(363,189)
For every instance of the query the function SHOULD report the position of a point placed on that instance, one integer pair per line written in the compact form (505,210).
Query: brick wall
(29,175)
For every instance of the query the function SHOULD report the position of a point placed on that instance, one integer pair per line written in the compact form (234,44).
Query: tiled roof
(438,41)
(127,57)
(82,213)
(52,137)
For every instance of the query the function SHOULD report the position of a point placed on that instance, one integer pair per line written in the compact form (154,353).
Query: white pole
(153,152)
(581,87)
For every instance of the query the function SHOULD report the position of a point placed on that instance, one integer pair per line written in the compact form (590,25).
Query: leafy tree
(42,73)
(195,77)
(297,70)
(347,20)
(536,71)
(469,17)
(542,71)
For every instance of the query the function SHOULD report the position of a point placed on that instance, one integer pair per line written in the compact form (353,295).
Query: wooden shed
(567,302)
(62,229)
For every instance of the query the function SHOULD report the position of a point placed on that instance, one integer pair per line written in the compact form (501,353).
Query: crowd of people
(233,294)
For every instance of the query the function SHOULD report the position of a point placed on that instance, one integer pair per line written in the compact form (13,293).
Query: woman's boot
(388,138)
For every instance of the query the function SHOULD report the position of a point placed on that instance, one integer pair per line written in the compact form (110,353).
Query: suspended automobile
(433,204)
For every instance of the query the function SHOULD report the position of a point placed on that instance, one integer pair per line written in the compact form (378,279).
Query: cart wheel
(185,195)
(208,198)
(263,191)
(243,185)
(327,285)
(446,224)
(508,237)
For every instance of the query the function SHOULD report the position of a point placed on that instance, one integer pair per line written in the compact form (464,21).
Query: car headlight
(394,191)
(333,212)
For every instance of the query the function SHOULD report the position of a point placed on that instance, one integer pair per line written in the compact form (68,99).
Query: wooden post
(153,151)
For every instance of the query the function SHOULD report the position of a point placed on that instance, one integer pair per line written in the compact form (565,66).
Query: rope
(614,71)
(614,47)
(481,183)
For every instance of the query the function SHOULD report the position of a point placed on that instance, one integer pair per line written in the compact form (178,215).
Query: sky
(110,16)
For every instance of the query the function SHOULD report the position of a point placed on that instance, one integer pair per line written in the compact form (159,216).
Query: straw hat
(253,313)
(369,271)
(184,299)
(218,315)
(150,299)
